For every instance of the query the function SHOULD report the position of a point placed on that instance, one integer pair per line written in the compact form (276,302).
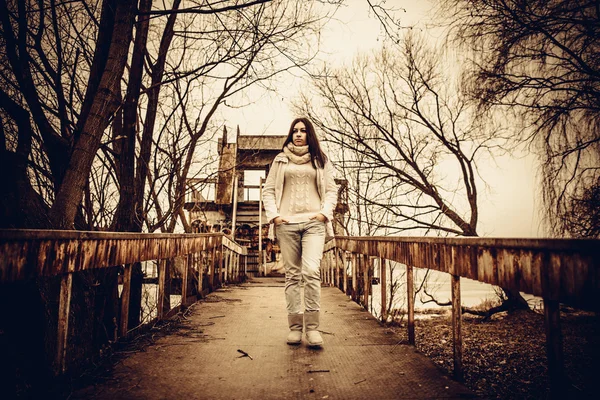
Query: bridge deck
(360,359)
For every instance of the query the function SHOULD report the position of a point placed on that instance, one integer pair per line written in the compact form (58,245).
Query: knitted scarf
(297,154)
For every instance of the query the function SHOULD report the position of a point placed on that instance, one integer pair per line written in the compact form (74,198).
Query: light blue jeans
(301,247)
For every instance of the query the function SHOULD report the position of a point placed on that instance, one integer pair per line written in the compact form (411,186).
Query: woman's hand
(279,220)
(319,217)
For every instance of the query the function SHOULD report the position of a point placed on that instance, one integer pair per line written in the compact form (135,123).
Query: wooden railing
(558,271)
(209,260)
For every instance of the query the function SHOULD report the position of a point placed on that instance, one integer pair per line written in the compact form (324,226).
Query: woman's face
(299,134)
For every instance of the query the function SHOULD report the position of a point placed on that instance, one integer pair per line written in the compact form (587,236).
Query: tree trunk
(70,192)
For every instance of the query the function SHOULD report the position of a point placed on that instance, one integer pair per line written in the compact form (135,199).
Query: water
(473,293)
(150,293)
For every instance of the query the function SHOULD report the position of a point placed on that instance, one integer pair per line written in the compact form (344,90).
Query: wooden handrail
(26,254)
(29,254)
(561,271)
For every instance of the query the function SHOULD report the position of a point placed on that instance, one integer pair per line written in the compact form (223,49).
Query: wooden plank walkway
(360,359)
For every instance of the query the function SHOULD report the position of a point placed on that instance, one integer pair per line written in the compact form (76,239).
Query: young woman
(299,198)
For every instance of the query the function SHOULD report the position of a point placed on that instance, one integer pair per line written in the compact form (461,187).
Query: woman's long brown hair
(317,157)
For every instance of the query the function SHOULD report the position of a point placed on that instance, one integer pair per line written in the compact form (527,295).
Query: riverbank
(505,357)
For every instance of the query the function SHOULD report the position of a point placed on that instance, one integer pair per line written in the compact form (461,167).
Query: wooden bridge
(359,360)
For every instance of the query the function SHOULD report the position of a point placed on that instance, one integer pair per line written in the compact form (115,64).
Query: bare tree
(81,114)
(539,60)
(45,68)
(393,114)
(219,57)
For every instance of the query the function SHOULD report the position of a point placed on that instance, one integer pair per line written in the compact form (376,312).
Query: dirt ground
(505,357)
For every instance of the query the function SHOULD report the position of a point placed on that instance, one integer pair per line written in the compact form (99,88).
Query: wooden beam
(569,267)
(162,267)
(366,281)
(187,263)
(383,284)
(345,271)
(457,329)
(202,256)
(336,257)
(354,278)
(554,350)
(410,300)
(261,267)
(125,294)
(64,306)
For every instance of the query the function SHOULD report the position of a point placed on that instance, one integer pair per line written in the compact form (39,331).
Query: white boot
(295,323)
(311,324)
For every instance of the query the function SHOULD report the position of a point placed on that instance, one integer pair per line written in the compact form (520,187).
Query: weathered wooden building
(230,202)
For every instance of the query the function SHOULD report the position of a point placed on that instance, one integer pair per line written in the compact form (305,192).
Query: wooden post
(554,350)
(64,306)
(226,263)
(457,328)
(222,261)
(354,278)
(336,257)
(410,299)
(371,265)
(366,282)
(200,265)
(203,261)
(345,271)
(213,264)
(234,275)
(161,288)
(125,300)
(333,265)
(328,268)
(235,205)
(383,284)
(260,222)
(187,262)
(323,269)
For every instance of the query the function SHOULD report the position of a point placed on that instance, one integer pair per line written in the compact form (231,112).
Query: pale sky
(507,207)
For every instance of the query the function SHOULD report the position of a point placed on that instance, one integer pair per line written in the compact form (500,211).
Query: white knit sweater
(300,199)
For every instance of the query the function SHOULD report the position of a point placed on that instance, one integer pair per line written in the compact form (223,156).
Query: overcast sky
(507,207)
